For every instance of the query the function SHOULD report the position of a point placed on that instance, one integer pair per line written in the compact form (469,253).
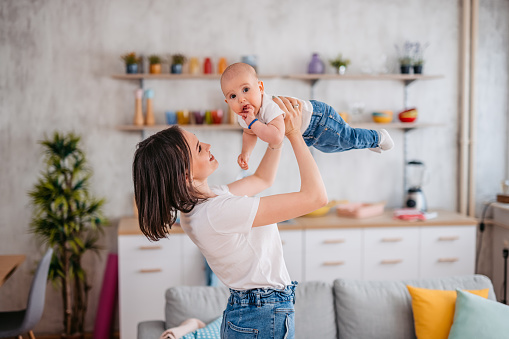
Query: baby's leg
(330,133)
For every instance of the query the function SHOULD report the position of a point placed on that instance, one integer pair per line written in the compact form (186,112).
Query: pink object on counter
(360,210)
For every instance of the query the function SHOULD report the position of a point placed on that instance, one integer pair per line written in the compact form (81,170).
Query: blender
(415,179)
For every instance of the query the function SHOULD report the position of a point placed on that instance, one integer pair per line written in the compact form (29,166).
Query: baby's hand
(243,160)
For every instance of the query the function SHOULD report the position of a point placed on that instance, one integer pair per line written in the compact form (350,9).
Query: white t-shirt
(243,257)
(270,110)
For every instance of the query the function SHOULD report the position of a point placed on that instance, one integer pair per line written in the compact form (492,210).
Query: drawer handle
(333,263)
(153,247)
(391,261)
(334,241)
(150,270)
(392,239)
(448,259)
(452,238)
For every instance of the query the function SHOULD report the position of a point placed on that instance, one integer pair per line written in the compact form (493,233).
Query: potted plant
(131,62)
(418,60)
(340,64)
(177,62)
(405,57)
(155,63)
(68,219)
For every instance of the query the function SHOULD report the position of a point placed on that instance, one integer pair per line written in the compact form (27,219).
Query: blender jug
(415,179)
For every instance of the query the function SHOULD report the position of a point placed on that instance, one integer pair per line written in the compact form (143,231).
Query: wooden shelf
(222,127)
(401,77)
(214,127)
(168,76)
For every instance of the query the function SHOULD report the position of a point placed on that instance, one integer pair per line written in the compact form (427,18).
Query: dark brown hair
(161,163)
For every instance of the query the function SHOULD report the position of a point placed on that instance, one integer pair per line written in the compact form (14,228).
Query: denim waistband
(257,296)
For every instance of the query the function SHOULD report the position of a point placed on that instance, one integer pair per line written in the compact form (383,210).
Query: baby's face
(243,93)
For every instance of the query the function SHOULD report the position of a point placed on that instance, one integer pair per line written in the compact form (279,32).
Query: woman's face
(203,162)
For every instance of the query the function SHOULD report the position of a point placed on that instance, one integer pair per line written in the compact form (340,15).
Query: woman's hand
(293,110)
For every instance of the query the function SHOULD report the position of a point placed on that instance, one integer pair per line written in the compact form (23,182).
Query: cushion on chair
(314,311)
(202,302)
(383,309)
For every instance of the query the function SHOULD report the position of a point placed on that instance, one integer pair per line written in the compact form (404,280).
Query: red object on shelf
(408,115)
(207,66)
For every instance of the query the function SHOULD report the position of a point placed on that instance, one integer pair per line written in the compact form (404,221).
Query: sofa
(345,309)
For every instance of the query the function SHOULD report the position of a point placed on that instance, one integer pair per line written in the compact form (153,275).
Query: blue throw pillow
(476,317)
(211,331)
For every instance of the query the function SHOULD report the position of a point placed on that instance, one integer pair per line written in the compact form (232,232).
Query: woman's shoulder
(220,189)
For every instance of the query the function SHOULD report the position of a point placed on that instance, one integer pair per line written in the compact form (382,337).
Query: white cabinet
(146,270)
(381,249)
(391,253)
(447,251)
(293,252)
(193,264)
(332,254)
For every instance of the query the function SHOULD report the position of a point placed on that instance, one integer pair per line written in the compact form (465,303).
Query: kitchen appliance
(415,198)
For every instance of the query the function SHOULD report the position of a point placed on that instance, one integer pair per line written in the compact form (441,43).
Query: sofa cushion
(434,311)
(202,302)
(383,309)
(476,317)
(314,311)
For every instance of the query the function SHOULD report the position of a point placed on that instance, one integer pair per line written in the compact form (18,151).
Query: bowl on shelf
(382,117)
(408,115)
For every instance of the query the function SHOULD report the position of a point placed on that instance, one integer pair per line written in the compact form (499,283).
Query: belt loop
(257,300)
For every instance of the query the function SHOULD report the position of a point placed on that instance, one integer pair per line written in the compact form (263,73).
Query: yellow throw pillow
(434,311)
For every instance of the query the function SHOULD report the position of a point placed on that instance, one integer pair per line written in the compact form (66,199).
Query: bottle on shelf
(138,110)
(194,66)
(149,117)
(221,65)
(207,66)
(316,65)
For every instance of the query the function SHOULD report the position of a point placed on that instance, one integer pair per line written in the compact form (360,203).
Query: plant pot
(131,69)
(417,69)
(341,70)
(176,68)
(405,69)
(155,69)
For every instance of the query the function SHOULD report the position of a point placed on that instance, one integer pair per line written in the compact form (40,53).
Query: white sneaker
(385,142)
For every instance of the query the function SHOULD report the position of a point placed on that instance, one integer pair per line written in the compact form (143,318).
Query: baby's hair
(237,68)
(161,166)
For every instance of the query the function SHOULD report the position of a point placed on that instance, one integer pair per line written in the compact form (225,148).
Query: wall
(56,58)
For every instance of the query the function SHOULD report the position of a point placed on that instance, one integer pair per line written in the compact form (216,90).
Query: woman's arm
(312,194)
(263,177)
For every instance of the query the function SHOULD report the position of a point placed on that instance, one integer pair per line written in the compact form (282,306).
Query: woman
(236,232)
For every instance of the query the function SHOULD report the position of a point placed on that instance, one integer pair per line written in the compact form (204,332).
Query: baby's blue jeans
(329,133)
(261,313)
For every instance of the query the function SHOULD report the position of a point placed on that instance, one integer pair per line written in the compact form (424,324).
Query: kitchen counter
(129,225)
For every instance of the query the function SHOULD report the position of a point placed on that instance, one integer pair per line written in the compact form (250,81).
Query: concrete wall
(56,58)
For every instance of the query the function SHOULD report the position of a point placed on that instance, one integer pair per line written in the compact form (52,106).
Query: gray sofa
(346,309)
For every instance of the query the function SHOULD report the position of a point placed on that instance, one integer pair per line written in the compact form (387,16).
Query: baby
(322,127)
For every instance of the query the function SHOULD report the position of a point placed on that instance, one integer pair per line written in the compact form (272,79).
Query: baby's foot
(385,142)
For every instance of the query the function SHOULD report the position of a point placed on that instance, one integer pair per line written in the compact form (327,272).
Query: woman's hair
(161,164)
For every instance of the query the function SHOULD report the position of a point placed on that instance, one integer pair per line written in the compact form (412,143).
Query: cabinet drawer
(137,247)
(447,251)
(391,253)
(293,253)
(332,254)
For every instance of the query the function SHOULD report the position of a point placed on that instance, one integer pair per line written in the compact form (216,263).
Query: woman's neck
(203,188)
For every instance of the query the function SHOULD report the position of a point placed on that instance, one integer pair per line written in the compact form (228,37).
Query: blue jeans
(329,133)
(261,313)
